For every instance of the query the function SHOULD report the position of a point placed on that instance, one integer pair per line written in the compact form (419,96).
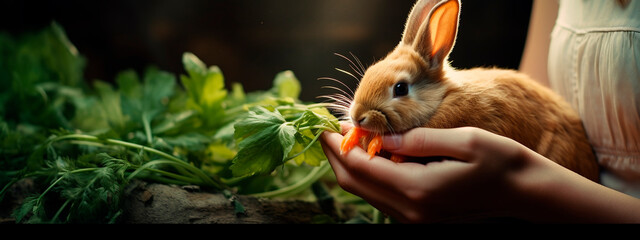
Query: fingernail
(391,142)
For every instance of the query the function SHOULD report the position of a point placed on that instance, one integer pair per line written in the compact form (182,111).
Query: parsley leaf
(286,85)
(205,88)
(265,139)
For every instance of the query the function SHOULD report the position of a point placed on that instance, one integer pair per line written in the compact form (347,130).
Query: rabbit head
(405,88)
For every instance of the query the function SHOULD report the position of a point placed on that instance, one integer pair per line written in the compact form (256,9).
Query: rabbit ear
(432,28)
(418,15)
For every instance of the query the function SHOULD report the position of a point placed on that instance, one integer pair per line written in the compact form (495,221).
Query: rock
(149,203)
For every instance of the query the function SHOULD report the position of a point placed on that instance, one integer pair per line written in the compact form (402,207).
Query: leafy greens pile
(85,141)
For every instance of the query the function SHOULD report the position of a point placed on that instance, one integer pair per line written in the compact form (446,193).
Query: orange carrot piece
(374,146)
(351,139)
(397,158)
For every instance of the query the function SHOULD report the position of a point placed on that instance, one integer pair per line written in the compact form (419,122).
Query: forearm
(552,193)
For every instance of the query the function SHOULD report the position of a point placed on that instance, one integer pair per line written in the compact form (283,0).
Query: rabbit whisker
(353,65)
(350,74)
(390,128)
(344,93)
(362,68)
(338,101)
(340,82)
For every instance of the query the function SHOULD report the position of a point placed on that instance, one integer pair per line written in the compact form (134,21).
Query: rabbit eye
(400,89)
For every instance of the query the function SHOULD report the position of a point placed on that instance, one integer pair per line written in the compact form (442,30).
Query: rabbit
(415,86)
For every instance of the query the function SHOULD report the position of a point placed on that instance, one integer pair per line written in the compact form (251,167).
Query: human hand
(474,181)
(483,175)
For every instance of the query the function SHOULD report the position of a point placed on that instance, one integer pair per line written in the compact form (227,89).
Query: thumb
(428,142)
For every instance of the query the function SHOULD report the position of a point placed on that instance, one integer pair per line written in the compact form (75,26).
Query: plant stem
(147,166)
(322,127)
(166,126)
(79,170)
(49,188)
(14,180)
(53,219)
(378,217)
(301,185)
(305,148)
(147,128)
(208,180)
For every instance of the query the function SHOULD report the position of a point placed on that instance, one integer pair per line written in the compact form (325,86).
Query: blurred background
(253,40)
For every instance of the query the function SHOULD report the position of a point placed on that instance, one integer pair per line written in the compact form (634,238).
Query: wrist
(534,184)
(548,192)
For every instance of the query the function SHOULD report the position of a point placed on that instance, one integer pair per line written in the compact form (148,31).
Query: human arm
(536,49)
(487,176)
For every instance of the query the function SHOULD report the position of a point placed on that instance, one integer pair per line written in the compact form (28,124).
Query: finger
(386,200)
(336,164)
(354,183)
(391,187)
(428,142)
(381,172)
(345,126)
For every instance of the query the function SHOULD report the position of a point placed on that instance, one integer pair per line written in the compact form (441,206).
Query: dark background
(253,40)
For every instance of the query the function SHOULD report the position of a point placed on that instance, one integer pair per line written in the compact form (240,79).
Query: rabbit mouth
(374,121)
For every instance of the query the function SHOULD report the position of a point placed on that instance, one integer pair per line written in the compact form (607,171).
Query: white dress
(594,62)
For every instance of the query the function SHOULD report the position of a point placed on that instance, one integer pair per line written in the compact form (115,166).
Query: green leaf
(150,98)
(110,105)
(237,93)
(317,117)
(90,115)
(158,87)
(204,85)
(28,61)
(213,91)
(193,65)
(309,125)
(142,103)
(220,152)
(64,57)
(286,85)
(129,84)
(30,205)
(205,88)
(313,155)
(264,140)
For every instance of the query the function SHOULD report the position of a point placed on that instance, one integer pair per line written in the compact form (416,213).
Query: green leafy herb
(205,88)
(85,192)
(85,143)
(265,139)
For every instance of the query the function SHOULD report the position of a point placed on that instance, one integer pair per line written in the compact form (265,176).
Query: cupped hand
(472,182)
